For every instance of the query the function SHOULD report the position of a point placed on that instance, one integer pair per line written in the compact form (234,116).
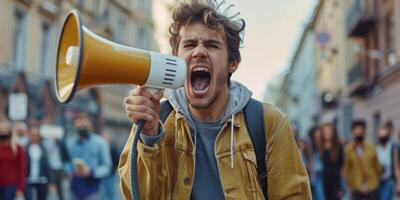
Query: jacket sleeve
(287,176)
(154,169)
(105,166)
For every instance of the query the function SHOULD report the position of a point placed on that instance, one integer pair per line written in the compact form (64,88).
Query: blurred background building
(346,66)
(28,49)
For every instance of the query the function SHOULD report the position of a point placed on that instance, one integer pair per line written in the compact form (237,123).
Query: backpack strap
(254,116)
(165,109)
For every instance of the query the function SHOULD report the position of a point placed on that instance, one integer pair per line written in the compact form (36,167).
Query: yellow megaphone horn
(85,59)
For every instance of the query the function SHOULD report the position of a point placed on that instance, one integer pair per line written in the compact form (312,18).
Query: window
(142,39)
(344,121)
(80,3)
(389,40)
(19,40)
(377,124)
(121,30)
(44,56)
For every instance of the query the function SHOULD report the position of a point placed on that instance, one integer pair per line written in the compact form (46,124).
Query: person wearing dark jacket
(39,176)
(332,159)
(58,159)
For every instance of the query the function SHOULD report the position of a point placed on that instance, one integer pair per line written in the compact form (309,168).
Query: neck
(215,111)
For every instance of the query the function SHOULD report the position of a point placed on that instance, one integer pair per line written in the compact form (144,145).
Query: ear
(233,66)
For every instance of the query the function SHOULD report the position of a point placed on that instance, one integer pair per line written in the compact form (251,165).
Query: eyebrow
(207,41)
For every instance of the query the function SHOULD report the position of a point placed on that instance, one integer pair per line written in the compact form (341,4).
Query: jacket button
(186,180)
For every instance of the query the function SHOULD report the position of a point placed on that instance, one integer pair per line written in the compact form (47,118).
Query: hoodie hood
(239,95)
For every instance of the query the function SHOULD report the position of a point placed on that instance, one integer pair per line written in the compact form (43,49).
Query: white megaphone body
(85,59)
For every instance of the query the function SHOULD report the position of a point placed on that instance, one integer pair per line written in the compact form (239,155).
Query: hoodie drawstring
(232,121)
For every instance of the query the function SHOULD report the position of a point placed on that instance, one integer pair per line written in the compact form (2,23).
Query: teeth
(200,69)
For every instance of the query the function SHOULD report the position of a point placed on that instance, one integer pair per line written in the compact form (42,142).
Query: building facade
(374,76)
(302,92)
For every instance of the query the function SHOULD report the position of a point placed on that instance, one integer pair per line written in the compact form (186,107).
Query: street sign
(17,106)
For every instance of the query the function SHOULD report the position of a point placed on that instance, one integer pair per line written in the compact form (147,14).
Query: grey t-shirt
(207,184)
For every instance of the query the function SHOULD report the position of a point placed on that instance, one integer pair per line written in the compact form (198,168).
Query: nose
(200,52)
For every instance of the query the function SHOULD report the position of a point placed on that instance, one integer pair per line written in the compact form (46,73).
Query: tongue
(200,83)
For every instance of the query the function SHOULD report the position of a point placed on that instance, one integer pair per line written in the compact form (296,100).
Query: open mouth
(200,79)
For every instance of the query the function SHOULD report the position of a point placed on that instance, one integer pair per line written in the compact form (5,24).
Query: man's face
(5,131)
(206,55)
(358,131)
(34,135)
(82,123)
(383,133)
(21,130)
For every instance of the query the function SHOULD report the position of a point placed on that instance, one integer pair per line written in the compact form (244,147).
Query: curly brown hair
(188,13)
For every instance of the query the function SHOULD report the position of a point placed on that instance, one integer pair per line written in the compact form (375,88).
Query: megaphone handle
(134,154)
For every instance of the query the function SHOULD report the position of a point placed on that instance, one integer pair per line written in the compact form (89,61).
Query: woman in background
(12,164)
(316,169)
(332,159)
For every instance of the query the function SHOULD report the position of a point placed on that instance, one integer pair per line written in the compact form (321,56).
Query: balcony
(357,80)
(359,18)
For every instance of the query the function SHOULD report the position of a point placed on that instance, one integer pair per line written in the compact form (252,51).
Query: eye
(213,45)
(189,45)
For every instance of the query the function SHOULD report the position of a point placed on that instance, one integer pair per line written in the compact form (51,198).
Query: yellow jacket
(353,169)
(166,170)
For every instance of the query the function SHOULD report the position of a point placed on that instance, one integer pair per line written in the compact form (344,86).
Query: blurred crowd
(356,170)
(35,167)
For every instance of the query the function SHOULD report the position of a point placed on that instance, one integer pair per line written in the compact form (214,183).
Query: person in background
(317,167)
(39,177)
(385,155)
(332,159)
(396,167)
(91,159)
(361,166)
(306,153)
(12,164)
(21,130)
(58,158)
(108,187)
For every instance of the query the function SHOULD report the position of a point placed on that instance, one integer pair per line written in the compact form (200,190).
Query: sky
(273,28)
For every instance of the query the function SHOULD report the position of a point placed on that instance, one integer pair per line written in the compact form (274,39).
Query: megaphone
(85,59)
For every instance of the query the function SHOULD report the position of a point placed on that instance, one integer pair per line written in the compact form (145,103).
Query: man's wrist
(155,132)
(150,140)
